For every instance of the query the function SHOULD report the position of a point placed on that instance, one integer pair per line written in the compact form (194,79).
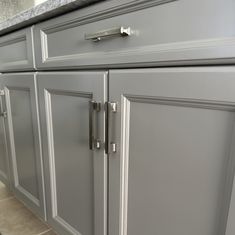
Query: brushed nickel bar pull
(110,110)
(4,115)
(2,112)
(94,107)
(98,36)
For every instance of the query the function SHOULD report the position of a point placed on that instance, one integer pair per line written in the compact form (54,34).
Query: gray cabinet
(3,154)
(129,151)
(162,32)
(24,139)
(16,51)
(75,175)
(174,167)
(230,225)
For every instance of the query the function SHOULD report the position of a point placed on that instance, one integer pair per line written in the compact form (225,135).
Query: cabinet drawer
(16,51)
(161,33)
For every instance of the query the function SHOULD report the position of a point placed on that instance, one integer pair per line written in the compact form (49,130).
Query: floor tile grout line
(48,230)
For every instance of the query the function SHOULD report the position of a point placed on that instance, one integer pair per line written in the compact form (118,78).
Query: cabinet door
(4,164)
(75,175)
(173,170)
(24,139)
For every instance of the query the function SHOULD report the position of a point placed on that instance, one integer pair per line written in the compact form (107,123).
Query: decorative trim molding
(17,185)
(124,162)
(50,139)
(220,48)
(3,175)
(126,100)
(51,152)
(192,103)
(28,195)
(8,42)
(180,51)
(68,227)
(127,7)
(25,59)
(11,137)
(44,45)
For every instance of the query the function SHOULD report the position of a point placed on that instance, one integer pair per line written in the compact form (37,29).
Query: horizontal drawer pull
(121,31)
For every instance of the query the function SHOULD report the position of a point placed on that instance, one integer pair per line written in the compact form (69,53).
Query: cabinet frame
(91,85)
(25,82)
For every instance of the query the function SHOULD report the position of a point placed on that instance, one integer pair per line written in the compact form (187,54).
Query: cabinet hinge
(110,111)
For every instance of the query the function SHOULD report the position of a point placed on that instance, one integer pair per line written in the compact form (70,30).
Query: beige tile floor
(16,219)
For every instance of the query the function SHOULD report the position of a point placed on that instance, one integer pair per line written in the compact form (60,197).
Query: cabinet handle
(4,115)
(98,36)
(94,107)
(110,110)
(2,112)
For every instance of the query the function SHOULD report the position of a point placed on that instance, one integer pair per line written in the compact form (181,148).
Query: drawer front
(161,33)
(16,51)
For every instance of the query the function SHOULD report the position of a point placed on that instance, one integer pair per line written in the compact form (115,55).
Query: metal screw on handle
(98,36)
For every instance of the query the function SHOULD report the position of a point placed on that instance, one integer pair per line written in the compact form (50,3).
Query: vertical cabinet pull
(94,108)
(2,112)
(110,110)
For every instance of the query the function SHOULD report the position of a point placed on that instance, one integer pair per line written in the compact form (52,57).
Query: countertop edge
(33,15)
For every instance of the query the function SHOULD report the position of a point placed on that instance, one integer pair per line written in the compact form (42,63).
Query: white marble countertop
(42,11)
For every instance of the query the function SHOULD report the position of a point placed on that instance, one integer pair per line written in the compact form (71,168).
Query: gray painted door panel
(16,51)
(24,139)
(174,168)
(4,164)
(231,218)
(75,175)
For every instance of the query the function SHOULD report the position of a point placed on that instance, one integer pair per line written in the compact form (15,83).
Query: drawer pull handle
(98,36)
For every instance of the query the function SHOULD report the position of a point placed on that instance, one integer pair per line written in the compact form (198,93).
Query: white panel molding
(3,175)
(205,49)
(118,9)
(66,225)
(11,137)
(8,42)
(27,60)
(28,195)
(13,151)
(125,127)
(51,154)
(126,100)
(49,122)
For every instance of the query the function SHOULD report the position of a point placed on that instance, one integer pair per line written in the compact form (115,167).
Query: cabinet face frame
(207,88)
(55,88)
(25,82)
